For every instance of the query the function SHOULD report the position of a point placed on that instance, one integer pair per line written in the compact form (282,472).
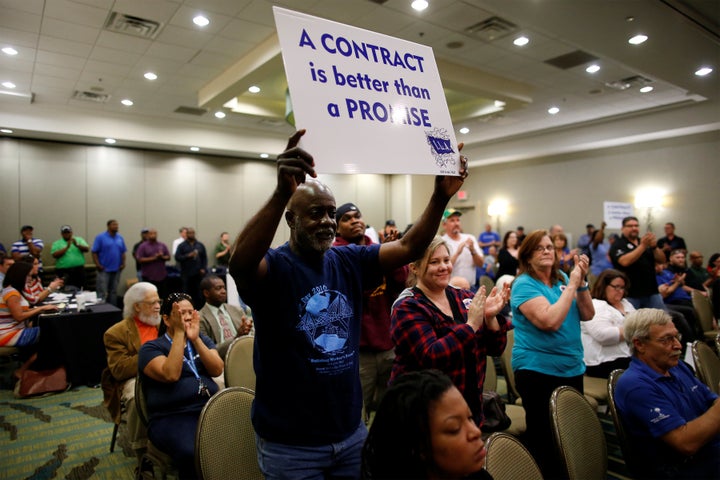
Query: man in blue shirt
(489,238)
(306,298)
(108,253)
(671,418)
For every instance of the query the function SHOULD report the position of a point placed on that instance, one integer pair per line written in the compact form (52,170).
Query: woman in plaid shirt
(435,325)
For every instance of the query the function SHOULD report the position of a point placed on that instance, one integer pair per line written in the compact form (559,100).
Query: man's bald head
(311,217)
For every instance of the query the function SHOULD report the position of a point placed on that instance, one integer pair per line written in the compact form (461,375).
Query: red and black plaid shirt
(425,338)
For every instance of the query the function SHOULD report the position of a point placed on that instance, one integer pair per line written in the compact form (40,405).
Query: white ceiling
(64,47)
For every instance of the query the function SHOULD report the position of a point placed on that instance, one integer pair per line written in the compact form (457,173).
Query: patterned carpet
(65,435)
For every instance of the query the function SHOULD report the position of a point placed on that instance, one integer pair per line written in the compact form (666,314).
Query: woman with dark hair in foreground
(423,428)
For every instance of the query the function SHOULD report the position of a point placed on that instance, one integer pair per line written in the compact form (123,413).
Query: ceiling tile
(69,31)
(55,71)
(171,52)
(73,12)
(183,36)
(239,29)
(67,47)
(123,42)
(60,60)
(20,20)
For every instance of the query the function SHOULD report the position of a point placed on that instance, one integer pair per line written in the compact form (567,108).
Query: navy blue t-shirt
(307,330)
(181,396)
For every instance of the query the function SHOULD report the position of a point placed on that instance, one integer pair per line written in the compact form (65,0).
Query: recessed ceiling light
(127,102)
(110,140)
(8,84)
(553,110)
(5,130)
(194,149)
(703,71)
(464,130)
(593,68)
(419,5)
(521,41)
(264,155)
(220,114)
(9,51)
(254,89)
(638,39)
(150,76)
(201,21)
(646,89)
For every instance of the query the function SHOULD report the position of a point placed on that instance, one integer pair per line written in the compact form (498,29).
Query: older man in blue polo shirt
(672,419)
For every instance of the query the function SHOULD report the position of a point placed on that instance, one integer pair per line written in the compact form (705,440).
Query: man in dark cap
(376,346)
(68,252)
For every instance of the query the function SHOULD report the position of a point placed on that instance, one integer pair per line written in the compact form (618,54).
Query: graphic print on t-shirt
(325,317)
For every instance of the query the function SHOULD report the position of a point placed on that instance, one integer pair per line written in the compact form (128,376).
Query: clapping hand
(496,301)
(582,265)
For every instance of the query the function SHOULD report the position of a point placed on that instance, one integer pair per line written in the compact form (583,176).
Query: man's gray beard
(152,320)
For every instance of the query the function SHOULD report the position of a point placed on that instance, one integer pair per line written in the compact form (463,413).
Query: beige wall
(48,184)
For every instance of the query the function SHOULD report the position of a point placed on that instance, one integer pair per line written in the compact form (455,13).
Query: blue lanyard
(190,361)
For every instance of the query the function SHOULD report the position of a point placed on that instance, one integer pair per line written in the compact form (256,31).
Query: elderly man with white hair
(672,419)
(141,318)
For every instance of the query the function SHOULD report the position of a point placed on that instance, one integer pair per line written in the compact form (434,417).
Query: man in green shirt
(68,252)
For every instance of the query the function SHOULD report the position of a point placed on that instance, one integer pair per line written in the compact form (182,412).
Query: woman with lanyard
(177,371)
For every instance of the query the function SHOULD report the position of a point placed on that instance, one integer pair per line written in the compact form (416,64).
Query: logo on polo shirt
(658,415)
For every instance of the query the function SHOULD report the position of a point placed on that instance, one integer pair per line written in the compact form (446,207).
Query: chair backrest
(717,343)
(239,370)
(225,438)
(617,421)
(506,363)
(508,459)
(578,435)
(490,383)
(707,365)
(140,405)
(703,307)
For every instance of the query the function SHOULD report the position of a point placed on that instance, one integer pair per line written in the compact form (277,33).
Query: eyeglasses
(547,248)
(617,287)
(669,339)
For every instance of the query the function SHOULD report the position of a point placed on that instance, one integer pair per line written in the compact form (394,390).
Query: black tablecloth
(75,340)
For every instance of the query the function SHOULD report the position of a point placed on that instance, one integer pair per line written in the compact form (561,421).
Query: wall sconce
(649,198)
(497,208)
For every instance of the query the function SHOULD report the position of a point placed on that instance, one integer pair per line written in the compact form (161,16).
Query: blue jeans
(297,462)
(106,285)
(653,301)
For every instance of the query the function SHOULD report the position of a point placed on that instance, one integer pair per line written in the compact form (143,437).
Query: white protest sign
(614,212)
(370,103)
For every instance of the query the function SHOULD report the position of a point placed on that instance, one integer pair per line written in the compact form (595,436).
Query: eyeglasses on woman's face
(544,248)
(617,286)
